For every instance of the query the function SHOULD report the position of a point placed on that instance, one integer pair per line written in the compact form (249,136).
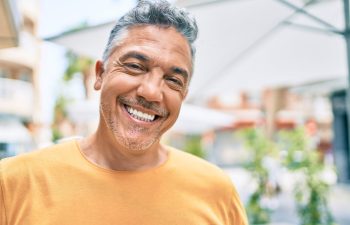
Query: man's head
(144,75)
(159,13)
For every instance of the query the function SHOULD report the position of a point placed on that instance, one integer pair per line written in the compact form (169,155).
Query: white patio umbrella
(250,45)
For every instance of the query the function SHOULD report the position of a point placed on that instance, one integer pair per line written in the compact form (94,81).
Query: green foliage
(257,214)
(76,65)
(259,146)
(60,111)
(60,114)
(193,145)
(311,191)
(56,134)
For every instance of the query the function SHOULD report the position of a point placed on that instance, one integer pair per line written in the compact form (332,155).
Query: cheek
(114,85)
(174,103)
(119,83)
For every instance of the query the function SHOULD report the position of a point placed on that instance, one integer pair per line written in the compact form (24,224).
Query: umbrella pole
(347,42)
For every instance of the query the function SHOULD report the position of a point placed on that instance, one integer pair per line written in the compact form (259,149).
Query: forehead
(164,43)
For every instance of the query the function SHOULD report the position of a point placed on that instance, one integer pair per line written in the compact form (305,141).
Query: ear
(99,70)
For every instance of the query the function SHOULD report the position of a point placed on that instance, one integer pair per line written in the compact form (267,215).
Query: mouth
(139,115)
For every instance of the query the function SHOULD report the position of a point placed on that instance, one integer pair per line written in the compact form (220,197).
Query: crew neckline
(111,171)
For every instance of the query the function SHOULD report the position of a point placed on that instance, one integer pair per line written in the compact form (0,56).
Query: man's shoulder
(189,159)
(198,167)
(37,157)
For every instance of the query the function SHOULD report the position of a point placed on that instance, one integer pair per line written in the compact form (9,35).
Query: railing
(16,97)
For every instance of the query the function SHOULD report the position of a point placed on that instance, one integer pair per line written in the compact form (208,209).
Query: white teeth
(140,115)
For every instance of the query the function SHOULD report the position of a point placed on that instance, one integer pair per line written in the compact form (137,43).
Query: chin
(137,144)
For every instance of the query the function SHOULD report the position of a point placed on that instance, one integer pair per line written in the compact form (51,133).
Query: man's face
(143,85)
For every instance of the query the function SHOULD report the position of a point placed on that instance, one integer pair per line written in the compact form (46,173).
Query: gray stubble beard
(128,143)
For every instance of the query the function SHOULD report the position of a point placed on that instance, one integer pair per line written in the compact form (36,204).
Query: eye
(134,66)
(174,82)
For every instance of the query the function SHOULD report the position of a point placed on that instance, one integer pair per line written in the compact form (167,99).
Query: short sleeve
(2,203)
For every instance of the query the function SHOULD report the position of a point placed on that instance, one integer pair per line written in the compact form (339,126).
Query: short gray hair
(159,13)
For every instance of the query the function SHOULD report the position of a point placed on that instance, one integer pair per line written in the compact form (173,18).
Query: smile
(140,115)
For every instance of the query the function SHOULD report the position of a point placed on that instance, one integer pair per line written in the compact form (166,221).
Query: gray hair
(159,13)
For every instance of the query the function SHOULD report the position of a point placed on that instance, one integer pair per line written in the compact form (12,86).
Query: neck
(111,155)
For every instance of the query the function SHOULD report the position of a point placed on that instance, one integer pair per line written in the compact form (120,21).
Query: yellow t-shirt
(58,185)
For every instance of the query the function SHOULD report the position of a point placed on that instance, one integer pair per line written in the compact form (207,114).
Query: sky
(56,17)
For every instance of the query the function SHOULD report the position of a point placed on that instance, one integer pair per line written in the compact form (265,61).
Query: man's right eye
(134,67)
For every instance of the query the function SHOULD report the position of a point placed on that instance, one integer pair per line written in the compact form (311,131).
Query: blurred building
(341,144)
(9,24)
(276,109)
(19,81)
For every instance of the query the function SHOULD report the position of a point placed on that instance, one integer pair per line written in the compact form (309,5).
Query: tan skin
(148,71)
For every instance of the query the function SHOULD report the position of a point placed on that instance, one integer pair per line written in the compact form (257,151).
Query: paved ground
(284,209)
(340,203)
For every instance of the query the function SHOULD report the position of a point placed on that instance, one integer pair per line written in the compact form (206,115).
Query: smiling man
(122,174)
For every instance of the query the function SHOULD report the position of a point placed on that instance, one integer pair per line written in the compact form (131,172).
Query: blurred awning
(195,119)
(9,24)
(192,119)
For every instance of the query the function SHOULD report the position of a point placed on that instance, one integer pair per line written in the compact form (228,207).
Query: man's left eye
(175,81)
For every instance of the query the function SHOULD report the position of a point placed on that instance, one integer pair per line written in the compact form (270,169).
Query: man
(122,174)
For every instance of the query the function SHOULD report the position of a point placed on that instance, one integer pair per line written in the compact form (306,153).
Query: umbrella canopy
(254,44)
(250,45)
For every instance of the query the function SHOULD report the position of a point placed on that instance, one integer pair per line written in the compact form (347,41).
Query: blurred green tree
(312,189)
(193,145)
(60,114)
(259,147)
(79,65)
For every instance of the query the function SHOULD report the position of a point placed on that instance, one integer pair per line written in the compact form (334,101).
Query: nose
(151,86)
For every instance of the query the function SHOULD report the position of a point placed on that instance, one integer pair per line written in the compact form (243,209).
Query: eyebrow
(135,55)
